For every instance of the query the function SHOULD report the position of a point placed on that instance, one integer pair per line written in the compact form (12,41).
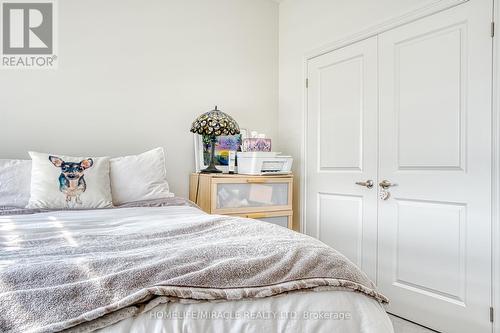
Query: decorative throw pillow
(65,182)
(139,177)
(15,178)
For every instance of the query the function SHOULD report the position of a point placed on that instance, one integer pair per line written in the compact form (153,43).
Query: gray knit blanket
(84,270)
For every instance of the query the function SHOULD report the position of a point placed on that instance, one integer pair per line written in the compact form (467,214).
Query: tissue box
(256,144)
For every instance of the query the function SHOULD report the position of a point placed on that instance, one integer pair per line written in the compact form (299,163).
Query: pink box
(256,144)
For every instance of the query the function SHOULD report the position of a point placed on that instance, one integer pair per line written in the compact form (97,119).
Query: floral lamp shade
(215,123)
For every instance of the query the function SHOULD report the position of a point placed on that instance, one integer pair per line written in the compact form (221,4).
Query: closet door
(435,144)
(342,150)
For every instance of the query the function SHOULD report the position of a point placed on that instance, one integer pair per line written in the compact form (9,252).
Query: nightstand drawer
(251,194)
(267,198)
(281,218)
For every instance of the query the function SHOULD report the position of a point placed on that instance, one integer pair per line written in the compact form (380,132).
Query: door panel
(431,64)
(342,150)
(340,115)
(419,244)
(346,231)
(435,144)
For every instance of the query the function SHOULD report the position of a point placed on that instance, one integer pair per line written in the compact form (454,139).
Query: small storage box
(260,163)
(256,144)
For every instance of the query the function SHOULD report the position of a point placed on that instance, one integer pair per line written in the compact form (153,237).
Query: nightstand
(267,198)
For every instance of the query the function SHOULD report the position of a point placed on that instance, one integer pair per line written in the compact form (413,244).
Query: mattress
(308,311)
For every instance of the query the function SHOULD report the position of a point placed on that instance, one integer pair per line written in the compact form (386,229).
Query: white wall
(305,25)
(134,74)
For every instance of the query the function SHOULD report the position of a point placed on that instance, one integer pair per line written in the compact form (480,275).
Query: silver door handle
(368,183)
(385,184)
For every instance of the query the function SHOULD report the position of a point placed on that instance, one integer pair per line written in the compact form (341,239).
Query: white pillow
(15,177)
(139,177)
(59,182)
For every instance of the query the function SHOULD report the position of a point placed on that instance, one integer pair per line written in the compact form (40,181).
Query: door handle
(385,184)
(368,183)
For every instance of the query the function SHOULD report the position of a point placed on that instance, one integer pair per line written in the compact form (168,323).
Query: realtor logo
(28,34)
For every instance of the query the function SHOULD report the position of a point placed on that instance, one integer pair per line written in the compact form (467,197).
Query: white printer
(263,163)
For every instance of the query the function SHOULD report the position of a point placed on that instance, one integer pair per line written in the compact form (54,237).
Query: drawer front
(283,219)
(251,195)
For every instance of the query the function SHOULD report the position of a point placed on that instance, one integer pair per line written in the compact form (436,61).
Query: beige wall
(306,25)
(133,75)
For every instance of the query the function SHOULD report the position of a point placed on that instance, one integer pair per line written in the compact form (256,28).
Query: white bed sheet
(306,311)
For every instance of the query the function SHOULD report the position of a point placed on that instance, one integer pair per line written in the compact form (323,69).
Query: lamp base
(211,169)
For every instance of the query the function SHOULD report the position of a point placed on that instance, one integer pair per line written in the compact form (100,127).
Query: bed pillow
(15,178)
(139,177)
(65,182)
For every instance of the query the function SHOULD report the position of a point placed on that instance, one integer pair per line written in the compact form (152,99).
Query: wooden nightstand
(267,198)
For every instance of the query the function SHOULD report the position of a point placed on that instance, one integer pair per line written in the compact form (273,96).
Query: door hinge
(492,314)
(307,83)
(492,29)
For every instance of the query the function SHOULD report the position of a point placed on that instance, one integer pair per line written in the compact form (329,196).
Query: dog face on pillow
(71,181)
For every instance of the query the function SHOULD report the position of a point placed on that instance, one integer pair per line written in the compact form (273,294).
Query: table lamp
(213,124)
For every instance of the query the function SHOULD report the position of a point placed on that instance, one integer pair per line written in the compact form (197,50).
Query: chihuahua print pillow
(65,182)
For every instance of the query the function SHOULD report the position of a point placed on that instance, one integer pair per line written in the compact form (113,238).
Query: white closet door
(342,150)
(435,144)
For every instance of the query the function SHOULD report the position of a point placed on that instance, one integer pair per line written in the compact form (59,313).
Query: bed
(166,266)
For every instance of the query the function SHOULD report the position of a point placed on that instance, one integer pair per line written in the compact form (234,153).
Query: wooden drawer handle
(256,181)
(256,216)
